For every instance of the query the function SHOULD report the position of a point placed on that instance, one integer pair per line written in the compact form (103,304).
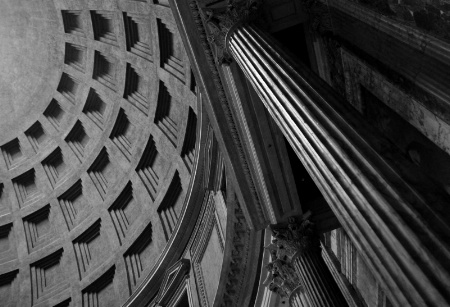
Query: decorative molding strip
(173,278)
(211,151)
(228,114)
(240,257)
(202,237)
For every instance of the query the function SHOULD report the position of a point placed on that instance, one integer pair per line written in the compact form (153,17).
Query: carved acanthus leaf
(295,238)
(220,22)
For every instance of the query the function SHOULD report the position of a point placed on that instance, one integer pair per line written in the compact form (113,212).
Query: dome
(98,139)
(31,59)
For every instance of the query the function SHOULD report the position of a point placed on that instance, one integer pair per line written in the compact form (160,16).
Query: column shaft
(393,213)
(319,285)
(298,298)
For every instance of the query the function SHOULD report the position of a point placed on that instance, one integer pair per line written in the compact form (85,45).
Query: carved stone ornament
(221,21)
(292,239)
(295,237)
(281,277)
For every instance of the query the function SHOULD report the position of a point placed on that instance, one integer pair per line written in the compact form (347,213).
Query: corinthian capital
(221,19)
(293,238)
(297,237)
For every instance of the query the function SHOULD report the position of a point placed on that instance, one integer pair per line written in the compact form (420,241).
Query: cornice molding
(173,277)
(198,246)
(228,114)
(241,252)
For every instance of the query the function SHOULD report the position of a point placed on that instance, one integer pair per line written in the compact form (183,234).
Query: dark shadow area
(294,41)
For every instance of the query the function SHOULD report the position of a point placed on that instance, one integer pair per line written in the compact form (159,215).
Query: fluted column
(395,215)
(298,298)
(319,284)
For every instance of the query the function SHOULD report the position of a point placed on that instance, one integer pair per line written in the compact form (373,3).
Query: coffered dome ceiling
(98,139)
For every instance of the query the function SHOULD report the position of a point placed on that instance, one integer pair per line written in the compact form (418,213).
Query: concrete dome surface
(30,59)
(98,125)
